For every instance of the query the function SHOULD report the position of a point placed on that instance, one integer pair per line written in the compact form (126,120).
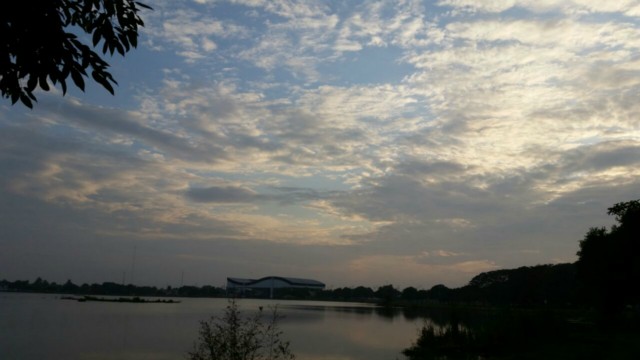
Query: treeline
(109,288)
(554,285)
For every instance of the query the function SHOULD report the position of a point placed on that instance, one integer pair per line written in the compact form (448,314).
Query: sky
(411,143)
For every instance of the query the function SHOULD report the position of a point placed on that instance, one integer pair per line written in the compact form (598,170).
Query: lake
(42,326)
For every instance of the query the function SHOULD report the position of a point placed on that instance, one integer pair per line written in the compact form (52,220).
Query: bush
(507,334)
(235,337)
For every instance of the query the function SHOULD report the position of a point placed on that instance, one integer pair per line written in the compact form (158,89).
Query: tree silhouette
(233,336)
(41,41)
(387,293)
(410,293)
(609,260)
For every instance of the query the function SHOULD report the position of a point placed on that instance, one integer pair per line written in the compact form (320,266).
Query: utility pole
(133,263)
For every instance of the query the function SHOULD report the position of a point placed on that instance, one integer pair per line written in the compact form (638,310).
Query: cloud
(628,7)
(602,157)
(281,195)
(415,272)
(388,23)
(360,136)
(190,32)
(131,124)
(221,194)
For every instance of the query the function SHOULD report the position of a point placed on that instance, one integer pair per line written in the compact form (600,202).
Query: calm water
(37,326)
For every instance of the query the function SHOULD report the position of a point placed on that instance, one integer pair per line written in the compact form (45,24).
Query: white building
(238,285)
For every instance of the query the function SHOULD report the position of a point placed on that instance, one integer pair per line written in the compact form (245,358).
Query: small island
(134,299)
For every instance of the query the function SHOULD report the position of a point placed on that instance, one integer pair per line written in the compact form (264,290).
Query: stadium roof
(289,280)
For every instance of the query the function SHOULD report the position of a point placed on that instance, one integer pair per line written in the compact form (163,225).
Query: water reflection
(364,309)
(94,330)
(347,330)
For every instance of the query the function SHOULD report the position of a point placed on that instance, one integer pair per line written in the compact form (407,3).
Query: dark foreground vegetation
(525,334)
(586,310)
(235,336)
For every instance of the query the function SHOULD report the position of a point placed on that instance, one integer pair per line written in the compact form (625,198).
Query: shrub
(233,336)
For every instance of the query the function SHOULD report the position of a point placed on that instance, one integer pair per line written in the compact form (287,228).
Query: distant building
(243,286)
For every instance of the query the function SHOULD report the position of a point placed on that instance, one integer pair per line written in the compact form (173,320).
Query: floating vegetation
(135,299)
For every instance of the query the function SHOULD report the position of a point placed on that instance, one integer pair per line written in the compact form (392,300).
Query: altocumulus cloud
(343,141)
(222,194)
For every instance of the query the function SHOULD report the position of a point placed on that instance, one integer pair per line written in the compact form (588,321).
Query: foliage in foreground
(609,272)
(519,334)
(39,43)
(609,261)
(233,336)
(505,334)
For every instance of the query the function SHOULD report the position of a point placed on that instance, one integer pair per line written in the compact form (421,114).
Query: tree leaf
(33,82)
(63,85)
(123,40)
(119,48)
(96,36)
(102,80)
(133,39)
(77,79)
(43,82)
(26,101)
(144,5)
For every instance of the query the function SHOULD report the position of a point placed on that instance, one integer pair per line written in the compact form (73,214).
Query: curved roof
(289,280)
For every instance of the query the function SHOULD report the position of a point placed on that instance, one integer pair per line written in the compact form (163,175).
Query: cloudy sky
(354,142)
